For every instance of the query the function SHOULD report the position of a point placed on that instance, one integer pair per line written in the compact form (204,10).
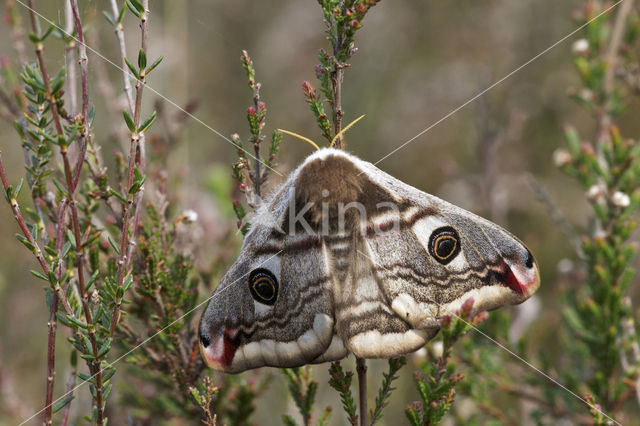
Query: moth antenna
(345,129)
(309,141)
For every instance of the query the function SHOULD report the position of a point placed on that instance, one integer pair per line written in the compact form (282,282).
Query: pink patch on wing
(220,353)
(511,281)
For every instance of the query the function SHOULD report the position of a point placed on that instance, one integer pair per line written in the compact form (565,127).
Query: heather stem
(71,183)
(361,369)
(133,200)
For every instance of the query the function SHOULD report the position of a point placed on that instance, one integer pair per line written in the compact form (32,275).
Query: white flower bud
(562,157)
(586,95)
(596,192)
(190,216)
(580,46)
(437,349)
(95,297)
(620,199)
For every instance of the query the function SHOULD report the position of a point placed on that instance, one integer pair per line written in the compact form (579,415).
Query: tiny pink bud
(236,203)
(480,317)
(467,306)
(446,320)
(308,90)
(355,24)
(251,111)
(261,106)
(587,149)
(239,224)
(243,187)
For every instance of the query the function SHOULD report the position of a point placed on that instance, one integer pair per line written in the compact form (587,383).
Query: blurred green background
(416,62)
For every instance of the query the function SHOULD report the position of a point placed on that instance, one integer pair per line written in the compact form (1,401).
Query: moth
(344,258)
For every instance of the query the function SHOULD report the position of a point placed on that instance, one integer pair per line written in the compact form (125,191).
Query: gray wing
(487,264)
(238,332)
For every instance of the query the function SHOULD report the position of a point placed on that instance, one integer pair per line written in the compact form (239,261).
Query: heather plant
(597,363)
(118,280)
(599,313)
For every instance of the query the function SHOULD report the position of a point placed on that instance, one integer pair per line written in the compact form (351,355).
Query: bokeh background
(417,61)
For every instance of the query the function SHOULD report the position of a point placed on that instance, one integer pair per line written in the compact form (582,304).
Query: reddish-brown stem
(84,79)
(127,242)
(337,106)
(83,60)
(336,80)
(51,359)
(53,320)
(57,293)
(17,214)
(75,222)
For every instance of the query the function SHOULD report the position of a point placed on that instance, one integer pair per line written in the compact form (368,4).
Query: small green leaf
(142,59)
(155,64)
(109,17)
(65,249)
(136,3)
(121,15)
(195,393)
(63,319)
(133,69)
(39,275)
(58,81)
(71,238)
(88,357)
(133,9)
(60,187)
(109,374)
(16,192)
(117,195)
(148,122)
(26,242)
(113,245)
(46,33)
(107,392)
(127,118)
(76,321)
(93,279)
(106,347)
(60,404)
(84,377)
